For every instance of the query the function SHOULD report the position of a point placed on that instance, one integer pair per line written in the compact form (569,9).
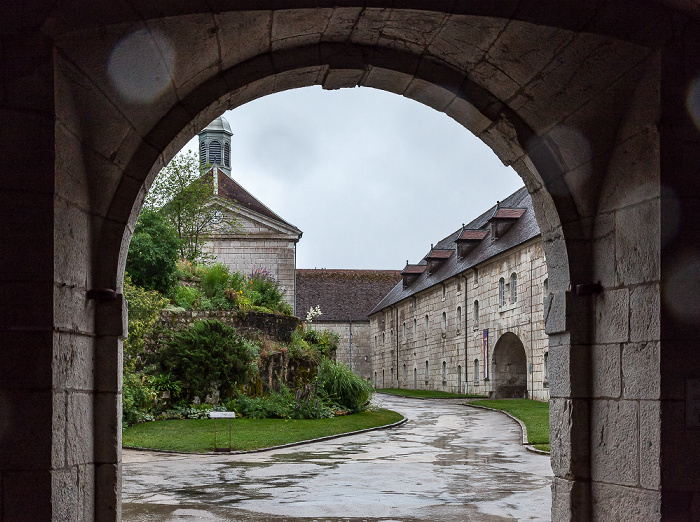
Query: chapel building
(469,317)
(263,240)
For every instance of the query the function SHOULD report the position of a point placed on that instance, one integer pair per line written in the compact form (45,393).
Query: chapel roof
(343,295)
(232,191)
(517,207)
(218,125)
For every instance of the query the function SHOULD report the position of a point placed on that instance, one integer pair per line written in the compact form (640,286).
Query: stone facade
(476,323)
(263,240)
(345,298)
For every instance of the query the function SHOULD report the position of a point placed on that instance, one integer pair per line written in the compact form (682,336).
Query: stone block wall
(250,324)
(433,339)
(361,362)
(245,254)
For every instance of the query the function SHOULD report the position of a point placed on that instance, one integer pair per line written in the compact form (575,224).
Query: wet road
(447,463)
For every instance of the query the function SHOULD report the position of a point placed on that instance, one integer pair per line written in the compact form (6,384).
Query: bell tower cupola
(215,145)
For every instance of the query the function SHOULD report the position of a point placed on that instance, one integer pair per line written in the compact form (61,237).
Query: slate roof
(343,295)
(524,229)
(235,193)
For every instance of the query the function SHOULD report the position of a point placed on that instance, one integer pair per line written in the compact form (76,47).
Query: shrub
(207,354)
(187,296)
(343,386)
(215,280)
(137,399)
(265,290)
(144,313)
(152,258)
(304,403)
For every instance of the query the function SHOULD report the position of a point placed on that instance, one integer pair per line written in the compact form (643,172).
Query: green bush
(304,403)
(215,280)
(343,386)
(144,313)
(207,354)
(187,296)
(153,252)
(137,399)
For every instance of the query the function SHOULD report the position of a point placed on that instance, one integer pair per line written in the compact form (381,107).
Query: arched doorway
(571,95)
(509,368)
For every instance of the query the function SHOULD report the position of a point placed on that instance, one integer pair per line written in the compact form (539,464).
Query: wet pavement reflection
(447,463)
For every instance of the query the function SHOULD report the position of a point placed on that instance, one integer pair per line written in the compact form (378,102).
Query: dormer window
(468,240)
(437,257)
(411,273)
(503,219)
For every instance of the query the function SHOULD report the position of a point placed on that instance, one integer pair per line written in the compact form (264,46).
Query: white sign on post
(222,414)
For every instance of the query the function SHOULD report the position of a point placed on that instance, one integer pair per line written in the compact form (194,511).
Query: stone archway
(509,368)
(589,101)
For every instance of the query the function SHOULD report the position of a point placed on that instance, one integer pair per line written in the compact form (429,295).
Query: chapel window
(215,153)
(227,154)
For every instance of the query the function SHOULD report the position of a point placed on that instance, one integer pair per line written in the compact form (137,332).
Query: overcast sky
(371,178)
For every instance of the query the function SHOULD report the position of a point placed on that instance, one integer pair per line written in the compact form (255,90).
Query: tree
(153,252)
(183,194)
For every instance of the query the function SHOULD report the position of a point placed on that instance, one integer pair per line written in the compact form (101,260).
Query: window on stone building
(403,331)
(476,315)
(415,378)
(476,370)
(501,292)
(391,383)
(459,318)
(459,284)
(405,374)
(375,379)
(227,154)
(444,291)
(383,383)
(443,323)
(476,275)
(459,379)
(514,287)
(415,327)
(375,343)
(415,302)
(444,372)
(427,373)
(426,326)
(215,153)
(546,366)
(383,339)
(545,290)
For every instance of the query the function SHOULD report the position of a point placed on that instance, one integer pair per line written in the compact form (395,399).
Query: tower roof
(218,125)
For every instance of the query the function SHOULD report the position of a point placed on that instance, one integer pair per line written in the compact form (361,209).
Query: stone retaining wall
(256,325)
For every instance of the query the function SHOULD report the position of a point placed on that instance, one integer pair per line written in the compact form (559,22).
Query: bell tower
(215,145)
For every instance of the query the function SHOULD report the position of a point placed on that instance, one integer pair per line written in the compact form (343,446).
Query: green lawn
(246,434)
(534,414)
(426,394)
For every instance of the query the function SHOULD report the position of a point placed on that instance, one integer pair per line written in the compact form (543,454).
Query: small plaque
(692,403)
(222,414)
